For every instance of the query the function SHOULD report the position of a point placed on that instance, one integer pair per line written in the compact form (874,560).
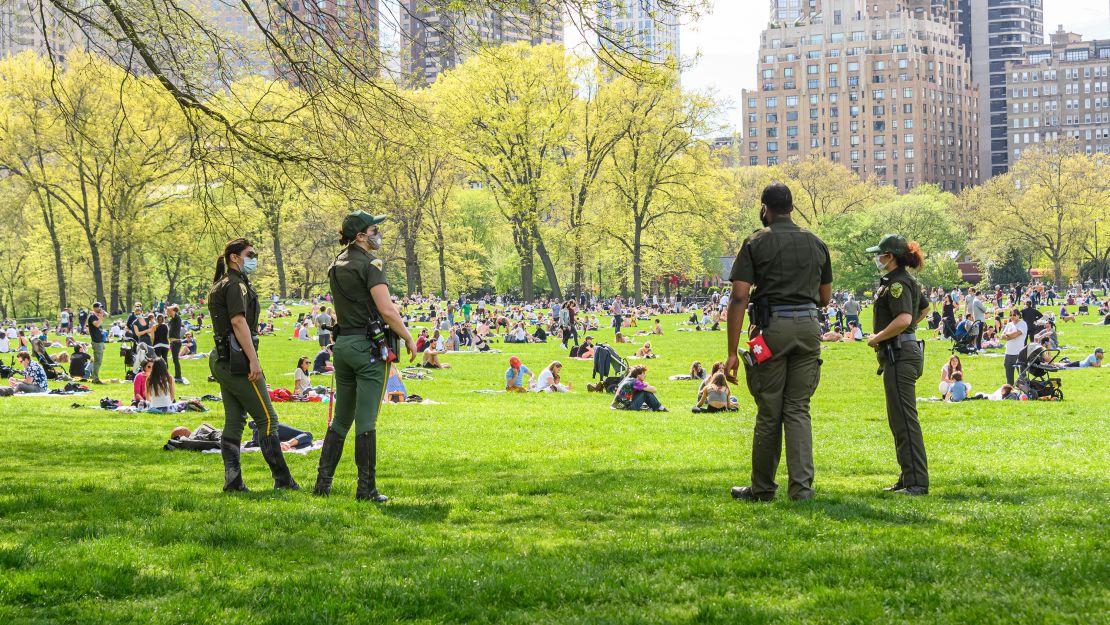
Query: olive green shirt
(352,275)
(785,263)
(899,292)
(232,295)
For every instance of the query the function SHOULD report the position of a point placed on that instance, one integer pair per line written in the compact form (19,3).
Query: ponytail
(913,258)
(234,246)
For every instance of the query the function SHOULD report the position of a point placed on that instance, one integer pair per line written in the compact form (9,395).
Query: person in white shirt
(301,380)
(549,380)
(1014,335)
(4,344)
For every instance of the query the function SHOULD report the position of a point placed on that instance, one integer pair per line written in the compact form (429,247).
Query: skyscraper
(1000,30)
(434,40)
(641,27)
(883,87)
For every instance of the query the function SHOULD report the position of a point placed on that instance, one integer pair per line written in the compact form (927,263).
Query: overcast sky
(728,41)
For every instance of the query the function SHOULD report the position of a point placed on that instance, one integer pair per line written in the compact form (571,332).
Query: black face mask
(763,218)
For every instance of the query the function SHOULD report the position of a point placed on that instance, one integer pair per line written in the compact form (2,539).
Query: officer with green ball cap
(900,305)
(360,295)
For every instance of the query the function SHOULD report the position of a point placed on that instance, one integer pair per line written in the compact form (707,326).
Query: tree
(657,167)
(1044,204)
(509,109)
(825,191)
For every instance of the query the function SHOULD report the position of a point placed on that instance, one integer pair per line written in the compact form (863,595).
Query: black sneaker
(913,491)
(744,493)
(893,489)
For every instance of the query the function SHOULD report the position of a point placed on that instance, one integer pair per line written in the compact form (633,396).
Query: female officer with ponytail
(899,306)
(233,305)
(362,309)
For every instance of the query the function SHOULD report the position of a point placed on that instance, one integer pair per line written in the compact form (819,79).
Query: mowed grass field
(555,509)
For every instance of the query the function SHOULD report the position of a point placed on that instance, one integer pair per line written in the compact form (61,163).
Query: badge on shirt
(377,263)
(896,290)
(243,289)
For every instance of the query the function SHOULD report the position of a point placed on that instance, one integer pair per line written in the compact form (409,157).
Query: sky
(725,44)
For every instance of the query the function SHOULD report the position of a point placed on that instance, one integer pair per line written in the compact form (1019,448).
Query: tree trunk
(548,266)
(442,253)
(412,268)
(279,261)
(579,270)
(637,258)
(116,260)
(56,246)
(130,282)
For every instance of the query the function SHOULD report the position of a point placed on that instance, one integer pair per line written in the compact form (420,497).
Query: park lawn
(556,509)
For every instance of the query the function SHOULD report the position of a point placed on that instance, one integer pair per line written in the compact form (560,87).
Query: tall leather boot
(233,472)
(329,460)
(366,459)
(271,451)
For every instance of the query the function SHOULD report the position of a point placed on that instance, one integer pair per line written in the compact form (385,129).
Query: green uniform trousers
(243,397)
(900,384)
(359,385)
(781,388)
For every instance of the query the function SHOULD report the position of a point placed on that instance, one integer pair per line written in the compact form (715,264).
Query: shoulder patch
(243,288)
(896,290)
(377,263)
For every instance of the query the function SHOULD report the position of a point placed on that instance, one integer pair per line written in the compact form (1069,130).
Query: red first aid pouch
(757,347)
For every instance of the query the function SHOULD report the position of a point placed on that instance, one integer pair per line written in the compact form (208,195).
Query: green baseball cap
(358,221)
(891,244)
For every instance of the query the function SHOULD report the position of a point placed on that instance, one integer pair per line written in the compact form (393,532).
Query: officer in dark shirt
(233,305)
(900,305)
(786,272)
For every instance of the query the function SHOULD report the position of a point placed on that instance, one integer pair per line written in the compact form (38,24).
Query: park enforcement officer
(791,273)
(362,352)
(899,306)
(233,305)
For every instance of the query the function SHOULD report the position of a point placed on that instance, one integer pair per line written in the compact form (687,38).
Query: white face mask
(879,264)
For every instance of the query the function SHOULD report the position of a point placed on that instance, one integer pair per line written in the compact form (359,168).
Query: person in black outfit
(1030,315)
(161,338)
(320,363)
(175,341)
(97,337)
(78,361)
(948,317)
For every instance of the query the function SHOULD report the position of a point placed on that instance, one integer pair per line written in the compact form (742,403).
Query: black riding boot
(366,459)
(329,460)
(233,473)
(271,451)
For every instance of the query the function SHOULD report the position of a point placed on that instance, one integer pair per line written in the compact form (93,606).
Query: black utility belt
(905,337)
(779,308)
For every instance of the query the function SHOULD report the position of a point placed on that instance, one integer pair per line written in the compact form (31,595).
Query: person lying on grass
(1094,360)
(715,395)
(1005,392)
(633,393)
(645,351)
(34,376)
(514,376)
(550,380)
(290,437)
(697,372)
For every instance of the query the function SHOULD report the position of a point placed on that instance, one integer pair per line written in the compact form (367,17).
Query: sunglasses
(251,254)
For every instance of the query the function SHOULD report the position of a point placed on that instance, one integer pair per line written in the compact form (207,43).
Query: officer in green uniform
(900,305)
(233,306)
(362,309)
(786,272)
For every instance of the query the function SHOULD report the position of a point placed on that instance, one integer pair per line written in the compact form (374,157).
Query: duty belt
(905,337)
(796,311)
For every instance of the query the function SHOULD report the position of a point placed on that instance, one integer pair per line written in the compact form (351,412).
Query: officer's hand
(871,342)
(410,347)
(732,367)
(256,371)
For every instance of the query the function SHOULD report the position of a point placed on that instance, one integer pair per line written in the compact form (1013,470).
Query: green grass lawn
(555,509)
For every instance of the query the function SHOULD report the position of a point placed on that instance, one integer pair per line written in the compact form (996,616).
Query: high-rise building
(434,40)
(641,27)
(22,28)
(1060,90)
(1000,30)
(883,87)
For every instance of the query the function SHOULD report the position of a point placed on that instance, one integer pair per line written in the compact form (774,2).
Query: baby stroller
(53,370)
(966,344)
(135,357)
(606,358)
(1033,372)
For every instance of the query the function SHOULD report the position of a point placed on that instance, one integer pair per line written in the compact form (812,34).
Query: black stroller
(606,358)
(53,370)
(966,344)
(1033,372)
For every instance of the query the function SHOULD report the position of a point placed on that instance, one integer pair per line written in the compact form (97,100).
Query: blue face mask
(249,266)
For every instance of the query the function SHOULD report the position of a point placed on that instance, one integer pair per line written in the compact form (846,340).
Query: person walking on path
(362,352)
(899,306)
(786,273)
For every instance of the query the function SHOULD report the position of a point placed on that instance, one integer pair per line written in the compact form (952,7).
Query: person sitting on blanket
(514,376)
(140,396)
(188,346)
(422,340)
(550,380)
(958,390)
(322,362)
(395,391)
(160,392)
(645,351)
(539,336)
(585,351)
(301,380)
(715,395)
(78,361)
(658,329)
(431,359)
(1094,360)
(634,392)
(290,437)
(451,341)
(34,376)
(481,343)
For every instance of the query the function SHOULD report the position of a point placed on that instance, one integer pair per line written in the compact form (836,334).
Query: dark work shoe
(895,488)
(744,493)
(913,491)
